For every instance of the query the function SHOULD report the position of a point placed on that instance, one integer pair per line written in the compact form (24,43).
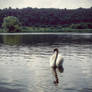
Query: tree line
(48,17)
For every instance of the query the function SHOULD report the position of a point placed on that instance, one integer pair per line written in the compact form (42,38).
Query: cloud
(45,3)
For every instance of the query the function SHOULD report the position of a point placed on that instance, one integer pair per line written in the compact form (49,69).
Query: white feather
(59,60)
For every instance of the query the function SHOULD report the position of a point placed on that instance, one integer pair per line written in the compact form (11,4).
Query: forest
(50,17)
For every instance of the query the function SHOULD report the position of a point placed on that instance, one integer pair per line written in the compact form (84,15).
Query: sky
(69,4)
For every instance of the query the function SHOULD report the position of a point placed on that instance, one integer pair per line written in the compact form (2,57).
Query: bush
(11,24)
(82,26)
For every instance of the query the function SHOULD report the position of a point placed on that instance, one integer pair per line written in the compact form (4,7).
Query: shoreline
(47,33)
(48,30)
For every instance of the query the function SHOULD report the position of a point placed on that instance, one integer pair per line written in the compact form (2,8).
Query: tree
(48,17)
(11,24)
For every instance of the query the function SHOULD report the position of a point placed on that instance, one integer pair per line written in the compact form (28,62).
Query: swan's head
(56,50)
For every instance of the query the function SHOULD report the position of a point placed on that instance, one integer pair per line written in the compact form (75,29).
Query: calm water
(24,62)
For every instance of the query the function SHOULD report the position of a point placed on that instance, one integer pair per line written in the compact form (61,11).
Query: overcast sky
(46,3)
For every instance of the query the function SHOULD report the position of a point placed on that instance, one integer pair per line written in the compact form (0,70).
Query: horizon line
(45,8)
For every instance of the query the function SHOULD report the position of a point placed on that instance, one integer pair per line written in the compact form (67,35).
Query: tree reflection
(12,39)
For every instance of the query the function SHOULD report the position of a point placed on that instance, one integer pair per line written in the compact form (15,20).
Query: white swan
(56,62)
(56,59)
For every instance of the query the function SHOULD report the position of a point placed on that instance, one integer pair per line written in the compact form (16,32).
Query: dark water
(24,62)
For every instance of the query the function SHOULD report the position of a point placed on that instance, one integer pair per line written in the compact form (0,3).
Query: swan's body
(56,60)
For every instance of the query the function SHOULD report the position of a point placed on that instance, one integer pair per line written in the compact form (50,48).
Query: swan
(56,62)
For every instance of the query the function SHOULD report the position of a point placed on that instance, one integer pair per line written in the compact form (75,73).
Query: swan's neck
(56,55)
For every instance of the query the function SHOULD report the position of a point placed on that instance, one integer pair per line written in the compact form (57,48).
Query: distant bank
(49,30)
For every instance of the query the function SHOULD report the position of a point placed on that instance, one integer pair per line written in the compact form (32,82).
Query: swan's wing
(59,61)
(52,60)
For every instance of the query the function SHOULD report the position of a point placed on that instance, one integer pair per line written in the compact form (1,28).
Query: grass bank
(54,29)
(50,29)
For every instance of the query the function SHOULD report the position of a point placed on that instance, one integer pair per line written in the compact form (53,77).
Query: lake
(24,62)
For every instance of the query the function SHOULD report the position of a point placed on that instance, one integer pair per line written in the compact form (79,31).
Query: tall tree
(11,24)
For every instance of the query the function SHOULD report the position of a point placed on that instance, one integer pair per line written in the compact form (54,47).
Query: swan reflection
(55,72)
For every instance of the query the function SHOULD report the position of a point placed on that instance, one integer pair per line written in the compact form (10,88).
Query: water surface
(24,62)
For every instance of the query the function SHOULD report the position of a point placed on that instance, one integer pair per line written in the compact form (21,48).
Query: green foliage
(50,29)
(81,26)
(11,24)
(48,17)
(54,29)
